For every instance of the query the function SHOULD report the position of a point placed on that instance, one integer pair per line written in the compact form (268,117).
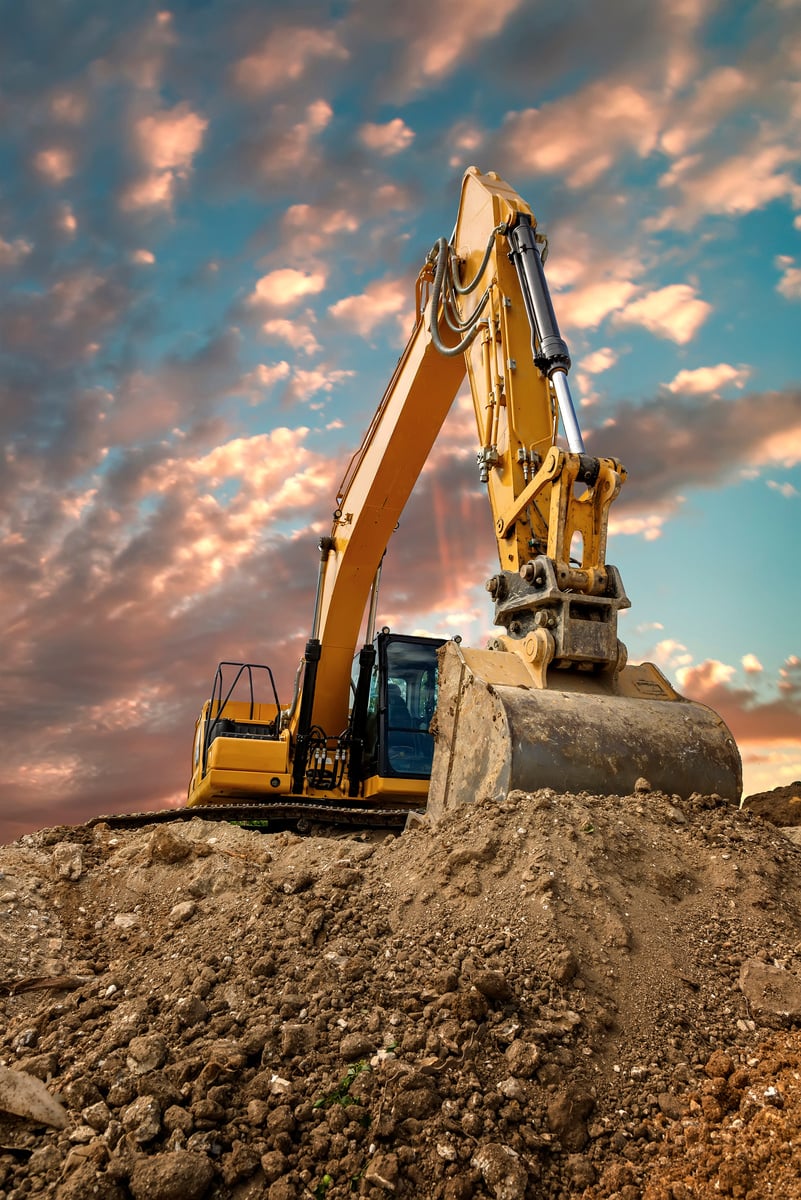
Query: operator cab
(401,703)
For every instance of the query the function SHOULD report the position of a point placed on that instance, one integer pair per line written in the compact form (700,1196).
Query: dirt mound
(551,996)
(782,805)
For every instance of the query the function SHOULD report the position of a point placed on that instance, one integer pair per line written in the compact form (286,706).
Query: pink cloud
(69,107)
(790,283)
(286,56)
(387,139)
(285,286)
(673,312)
(441,34)
(169,140)
(381,301)
(12,253)
(295,333)
(757,724)
(166,143)
(581,135)
(748,180)
(55,164)
(709,380)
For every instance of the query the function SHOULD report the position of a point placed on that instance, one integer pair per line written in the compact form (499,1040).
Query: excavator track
(269,815)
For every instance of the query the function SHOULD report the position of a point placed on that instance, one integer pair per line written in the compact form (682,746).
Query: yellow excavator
(411,721)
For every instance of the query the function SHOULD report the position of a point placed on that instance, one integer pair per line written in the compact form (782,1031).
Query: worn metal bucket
(495,731)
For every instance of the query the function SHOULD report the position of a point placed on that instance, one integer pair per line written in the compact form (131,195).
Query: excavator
(405,723)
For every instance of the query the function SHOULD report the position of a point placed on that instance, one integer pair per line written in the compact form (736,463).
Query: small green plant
(341,1093)
(322,1187)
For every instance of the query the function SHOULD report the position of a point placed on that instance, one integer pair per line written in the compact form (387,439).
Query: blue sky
(211,219)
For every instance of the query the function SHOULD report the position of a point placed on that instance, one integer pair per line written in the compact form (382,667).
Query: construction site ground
(545,998)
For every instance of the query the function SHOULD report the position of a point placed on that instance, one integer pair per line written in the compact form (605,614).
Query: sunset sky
(211,219)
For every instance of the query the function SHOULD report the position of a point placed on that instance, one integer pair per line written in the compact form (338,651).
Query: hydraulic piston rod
(549,348)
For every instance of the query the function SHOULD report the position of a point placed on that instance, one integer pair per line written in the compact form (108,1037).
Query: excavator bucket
(496,731)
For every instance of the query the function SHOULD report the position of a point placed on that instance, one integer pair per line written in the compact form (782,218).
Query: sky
(212,216)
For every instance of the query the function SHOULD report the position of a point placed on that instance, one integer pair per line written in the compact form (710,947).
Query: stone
(296,1039)
(522,1058)
(176,1175)
(166,846)
(502,1171)
(567,1118)
(146,1053)
(181,912)
(142,1119)
(383,1172)
(67,861)
(493,984)
(771,992)
(356,1045)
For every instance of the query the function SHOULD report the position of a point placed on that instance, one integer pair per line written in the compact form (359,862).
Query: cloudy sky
(211,219)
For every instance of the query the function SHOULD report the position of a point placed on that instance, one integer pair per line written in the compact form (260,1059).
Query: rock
(142,1119)
(296,1039)
(97,1116)
(523,1058)
(183,911)
(126,920)
(564,967)
(383,1172)
(167,846)
(24,1095)
(719,1065)
(146,1053)
(176,1175)
(770,991)
(671,1106)
(356,1045)
(67,860)
(567,1118)
(492,984)
(86,1181)
(502,1171)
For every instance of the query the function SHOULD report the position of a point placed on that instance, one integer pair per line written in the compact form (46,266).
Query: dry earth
(548,998)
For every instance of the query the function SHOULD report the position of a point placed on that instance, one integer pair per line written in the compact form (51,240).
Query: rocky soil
(548,998)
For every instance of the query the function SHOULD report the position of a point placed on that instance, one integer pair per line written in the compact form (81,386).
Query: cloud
(716,95)
(387,139)
(784,489)
(169,140)
(435,37)
(285,149)
(790,283)
(751,664)
(673,312)
(69,107)
(674,442)
(599,360)
(582,135)
(709,380)
(745,181)
(285,56)
(381,301)
(144,258)
(750,718)
(55,164)
(285,286)
(66,221)
(166,144)
(13,253)
(295,333)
